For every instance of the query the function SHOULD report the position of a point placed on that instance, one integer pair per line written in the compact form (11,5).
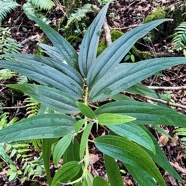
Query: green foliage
(31,7)
(21,151)
(32,107)
(179,39)
(7,44)
(182,132)
(78,15)
(42,4)
(67,78)
(159,13)
(6,7)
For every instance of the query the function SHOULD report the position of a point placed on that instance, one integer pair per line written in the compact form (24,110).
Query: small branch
(161,101)
(167,88)
(107,33)
(176,166)
(16,107)
(32,38)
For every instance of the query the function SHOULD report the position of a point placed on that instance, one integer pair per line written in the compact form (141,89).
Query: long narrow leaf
(61,147)
(54,63)
(144,113)
(161,159)
(113,54)
(63,47)
(125,76)
(46,153)
(134,133)
(99,181)
(113,173)
(144,90)
(38,127)
(129,153)
(66,173)
(46,75)
(88,48)
(50,97)
(141,176)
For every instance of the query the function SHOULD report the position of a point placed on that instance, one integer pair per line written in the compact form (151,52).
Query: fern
(182,132)
(7,44)
(42,4)
(78,15)
(180,37)
(32,107)
(6,7)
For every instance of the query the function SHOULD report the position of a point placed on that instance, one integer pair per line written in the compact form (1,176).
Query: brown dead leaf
(163,140)
(94,158)
(174,141)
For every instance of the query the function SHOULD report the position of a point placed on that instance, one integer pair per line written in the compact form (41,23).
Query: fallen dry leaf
(163,140)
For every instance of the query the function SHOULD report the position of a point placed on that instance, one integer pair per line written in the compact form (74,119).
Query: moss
(115,34)
(141,54)
(159,13)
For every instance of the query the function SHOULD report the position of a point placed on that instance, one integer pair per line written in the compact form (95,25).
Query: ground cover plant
(74,86)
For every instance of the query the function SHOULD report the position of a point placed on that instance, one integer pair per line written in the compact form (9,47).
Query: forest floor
(123,15)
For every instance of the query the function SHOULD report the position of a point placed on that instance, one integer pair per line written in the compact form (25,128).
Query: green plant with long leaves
(74,88)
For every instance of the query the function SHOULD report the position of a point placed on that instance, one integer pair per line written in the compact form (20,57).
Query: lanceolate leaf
(52,52)
(124,76)
(141,176)
(86,110)
(144,113)
(134,133)
(46,75)
(58,64)
(113,54)
(61,147)
(113,119)
(72,152)
(66,173)
(129,153)
(113,173)
(46,153)
(79,124)
(50,97)
(63,47)
(84,139)
(143,90)
(88,48)
(38,127)
(161,159)
(99,181)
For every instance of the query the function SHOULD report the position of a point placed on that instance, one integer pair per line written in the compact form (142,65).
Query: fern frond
(6,7)
(32,107)
(78,15)
(182,133)
(6,74)
(22,79)
(7,44)
(42,4)
(28,9)
(180,37)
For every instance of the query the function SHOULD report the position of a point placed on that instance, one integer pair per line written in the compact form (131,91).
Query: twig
(167,88)
(16,107)
(36,37)
(161,101)
(176,166)
(107,33)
